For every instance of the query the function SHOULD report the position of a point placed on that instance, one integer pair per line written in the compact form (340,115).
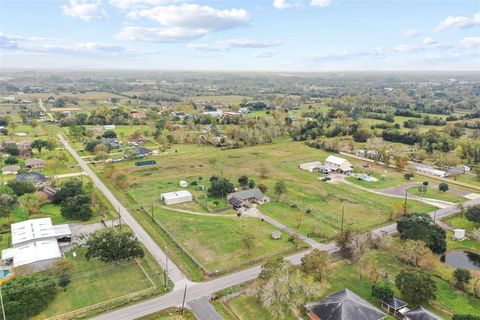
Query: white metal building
(176,197)
(310,166)
(35,241)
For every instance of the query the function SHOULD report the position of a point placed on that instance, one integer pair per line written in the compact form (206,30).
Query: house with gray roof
(34,163)
(420,313)
(246,197)
(343,305)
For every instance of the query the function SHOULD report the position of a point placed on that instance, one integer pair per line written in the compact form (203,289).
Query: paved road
(174,273)
(203,309)
(40,104)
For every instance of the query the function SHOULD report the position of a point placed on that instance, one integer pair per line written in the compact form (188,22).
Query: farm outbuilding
(311,166)
(176,197)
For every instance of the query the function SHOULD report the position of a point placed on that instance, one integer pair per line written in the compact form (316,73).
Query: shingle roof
(12,168)
(33,161)
(344,305)
(234,201)
(247,194)
(31,176)
(420,313)
(143,150)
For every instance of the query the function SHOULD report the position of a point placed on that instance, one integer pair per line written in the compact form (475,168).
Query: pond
(462,259)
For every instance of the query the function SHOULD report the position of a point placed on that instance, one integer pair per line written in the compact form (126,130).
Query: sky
(263,35)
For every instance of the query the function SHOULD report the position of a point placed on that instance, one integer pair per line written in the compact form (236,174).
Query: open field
(233,99)
(281,159)
(459,222)
(220,242)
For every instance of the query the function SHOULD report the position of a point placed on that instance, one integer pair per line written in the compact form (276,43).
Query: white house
(13,169)
(310,166)
(176,197)
(35,243)
(338,164)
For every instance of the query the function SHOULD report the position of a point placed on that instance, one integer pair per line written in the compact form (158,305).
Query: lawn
(219,242)
(434,193)
(459,222)
(94,282)
(170,314)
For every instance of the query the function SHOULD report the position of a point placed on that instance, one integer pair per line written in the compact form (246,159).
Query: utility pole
(184,296)
(1,300)
(152,214)
(405,205)
(343,213)
(119,219)
(435,216)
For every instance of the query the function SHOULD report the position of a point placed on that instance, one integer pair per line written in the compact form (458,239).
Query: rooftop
(176,194)
(32,252)
(247,194)
(420,313)
(35,229)
(344,305)
(336,160)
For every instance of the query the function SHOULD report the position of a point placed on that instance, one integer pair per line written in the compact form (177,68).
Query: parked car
(326,178)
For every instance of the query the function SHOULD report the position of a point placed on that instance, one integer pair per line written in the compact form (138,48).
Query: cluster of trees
(98,116)
(111,246)
(74,201)
(422,227)
(219,187)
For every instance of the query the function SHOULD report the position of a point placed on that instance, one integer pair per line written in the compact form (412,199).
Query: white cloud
(194,16)
(284,4)
(402,48)
(175,34)
(233,43)
(470,42)
(86,11)
(429,42)
(265,54)
(460,22)
(320,3)
(127,4)
(60,46)
(410,33)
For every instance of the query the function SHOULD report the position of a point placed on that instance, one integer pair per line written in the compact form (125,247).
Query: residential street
(197,290)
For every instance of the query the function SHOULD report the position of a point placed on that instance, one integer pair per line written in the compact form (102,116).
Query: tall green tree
(77,207)
(316,263)
(27,295)
(69,188)
(416,285)
(109,246)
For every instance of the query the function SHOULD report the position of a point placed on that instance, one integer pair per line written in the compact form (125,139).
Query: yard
(95,282)
(457,221)
(434,193)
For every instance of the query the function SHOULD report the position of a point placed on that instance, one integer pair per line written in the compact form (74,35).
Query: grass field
(459,222)
(170,314)
(219,242)
(281,159)
(434,193)
(94,282)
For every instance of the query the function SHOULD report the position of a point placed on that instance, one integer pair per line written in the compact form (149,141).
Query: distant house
(37,179)
(13,169)
(338,164)
(109,127)
(113,143)
(343,305)
(34,163)
(311,166)
(431,171)
(145,152)
(25,149)
(138,115)
(420,313)
(176,197)
(244,198)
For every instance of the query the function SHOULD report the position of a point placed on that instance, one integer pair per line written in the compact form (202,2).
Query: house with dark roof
(25,149)
(343,305)
(144,152)
(37,179)
(420,313)
(34,163)
(246,197)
